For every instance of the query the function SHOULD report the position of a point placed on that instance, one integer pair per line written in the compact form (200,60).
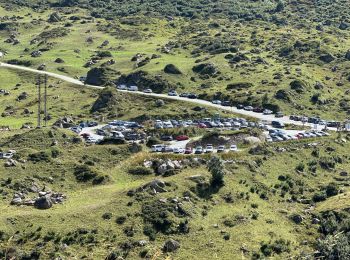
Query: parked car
(258,110)
(233,148)
(279,114)
(182,138)
(198,150)
(216,102)
(82,79)
(227,103)
(277,124)
(248,108)
(117,135)
(209,148)
(100,132)
(147,90)
(166,138)
(188,150)
(240,106)
(178,150)
(221,149)
(192,96)
(122,87)
(7,155)
(202,125)
(184,95)
(133,88)
(91,140)
(172,93)
(267,112)
(85,135)
(157,148)
(92,124)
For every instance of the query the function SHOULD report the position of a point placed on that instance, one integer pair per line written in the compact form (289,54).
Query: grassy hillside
(296,66)
(254,213)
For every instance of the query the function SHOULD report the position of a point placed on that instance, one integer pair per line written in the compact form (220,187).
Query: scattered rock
(43,202)
(296,218)
(171,245)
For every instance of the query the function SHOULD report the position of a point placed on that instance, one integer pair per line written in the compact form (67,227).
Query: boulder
(327,58)
(171,245)
(54,18)
(16,201)
(296,218)
(43,202)
(59,60)
(64,122)
(10,163)
(347,55)
(172,69)
(251,140)
(22,96)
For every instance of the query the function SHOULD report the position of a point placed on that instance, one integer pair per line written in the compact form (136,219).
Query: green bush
(152,141)
(42,156)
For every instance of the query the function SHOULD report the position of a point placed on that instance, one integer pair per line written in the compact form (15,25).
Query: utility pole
(39,101)
(45,100)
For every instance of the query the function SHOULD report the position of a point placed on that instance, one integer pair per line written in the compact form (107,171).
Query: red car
(188,150)
(202,125)
(85,135)
(182,138)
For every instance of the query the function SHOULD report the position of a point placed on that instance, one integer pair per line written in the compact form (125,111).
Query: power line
(39,100)
(45,100)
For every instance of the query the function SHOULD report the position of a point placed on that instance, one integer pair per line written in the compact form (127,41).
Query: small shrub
(152,141)
(107,215)
(300,167)
(39,157)
(120,220)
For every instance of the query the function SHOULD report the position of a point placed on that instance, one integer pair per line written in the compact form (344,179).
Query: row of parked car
(277,135)
(161,148)
(315,120)
(235,123)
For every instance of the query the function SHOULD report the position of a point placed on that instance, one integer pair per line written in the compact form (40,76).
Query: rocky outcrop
(64,122)
(205,69)
(107,100)
(171,245)
(145,80)
(44,200)
(172,69)
(101,76)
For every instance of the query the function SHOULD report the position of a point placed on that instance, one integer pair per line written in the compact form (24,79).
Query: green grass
(86,203)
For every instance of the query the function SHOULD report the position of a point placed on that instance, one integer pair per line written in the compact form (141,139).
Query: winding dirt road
(260,116)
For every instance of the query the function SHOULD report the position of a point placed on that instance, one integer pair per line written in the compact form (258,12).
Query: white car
(233,148)
(133,88)
(8,155)
(267,112)
(227,124)
(209,149)
(178,150)
(221,149)
(122,87)
(157,148)
(248,108)
(172,93)
(216,102)
(147,90)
